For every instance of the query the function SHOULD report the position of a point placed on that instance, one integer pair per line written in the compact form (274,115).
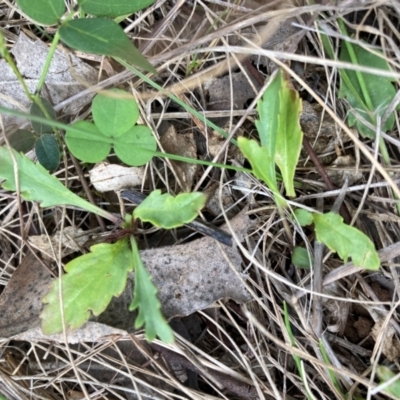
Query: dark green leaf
(135,147)
(89,285)
(39,128)
(47,152)
(91,147)
(145,299)
(22,140)
(368,95)
(45,12)
(107,8)
(114,112)
(170,212)
(102,36)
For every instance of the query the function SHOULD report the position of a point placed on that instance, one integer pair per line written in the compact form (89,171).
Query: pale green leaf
(289,135)
(368,95)
(104,37)
(169,212)
(262,164)
(304,217)
(114,112)
(116,8)
(145,299)
(36,184)
(135,147)
(268,110)
(44,12)
(92,146)
(48,152)
(385,374)
(301,258)
(88,286)
(38,127)
(346,240)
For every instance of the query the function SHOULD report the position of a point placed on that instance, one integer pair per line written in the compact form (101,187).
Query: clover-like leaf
(47,152)
(107,8)
(45,12)
(114,112)
(169,212)
(346,240)
(90,147)
(88,286)
(135,147)
(145,299)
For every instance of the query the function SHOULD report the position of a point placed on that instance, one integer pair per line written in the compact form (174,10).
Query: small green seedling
(115,114)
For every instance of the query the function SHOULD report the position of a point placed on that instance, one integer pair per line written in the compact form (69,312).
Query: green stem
(47,63)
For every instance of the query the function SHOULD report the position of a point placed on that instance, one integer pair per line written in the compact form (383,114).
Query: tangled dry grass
(233,351)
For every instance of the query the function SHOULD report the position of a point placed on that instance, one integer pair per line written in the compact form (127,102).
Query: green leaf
(289,136)
(169,212)
(45,12)
(279,129)
(107,8)
(304,217)
(262,164)
(47,152)
(268,110)
(346,240)
(104,37)
(136,147)
(36,184)
(39,128)
(89,285)
(301,258)
(368,95)
(22,140)
(385,374)
(90,147)
(145,299)
(114,112)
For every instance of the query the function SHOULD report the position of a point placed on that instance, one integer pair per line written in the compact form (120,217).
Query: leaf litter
(226,323)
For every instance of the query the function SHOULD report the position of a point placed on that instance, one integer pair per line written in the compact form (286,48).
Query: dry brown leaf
(182,145)
(72,240)
(65,78)
(21,300)
(112,177)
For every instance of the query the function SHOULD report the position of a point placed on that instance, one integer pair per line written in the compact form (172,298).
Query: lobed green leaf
(88,286)
(169,212)
(36,184)
(346,240)
(145,299)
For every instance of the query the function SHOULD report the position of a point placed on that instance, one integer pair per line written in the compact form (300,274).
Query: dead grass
(232,351)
